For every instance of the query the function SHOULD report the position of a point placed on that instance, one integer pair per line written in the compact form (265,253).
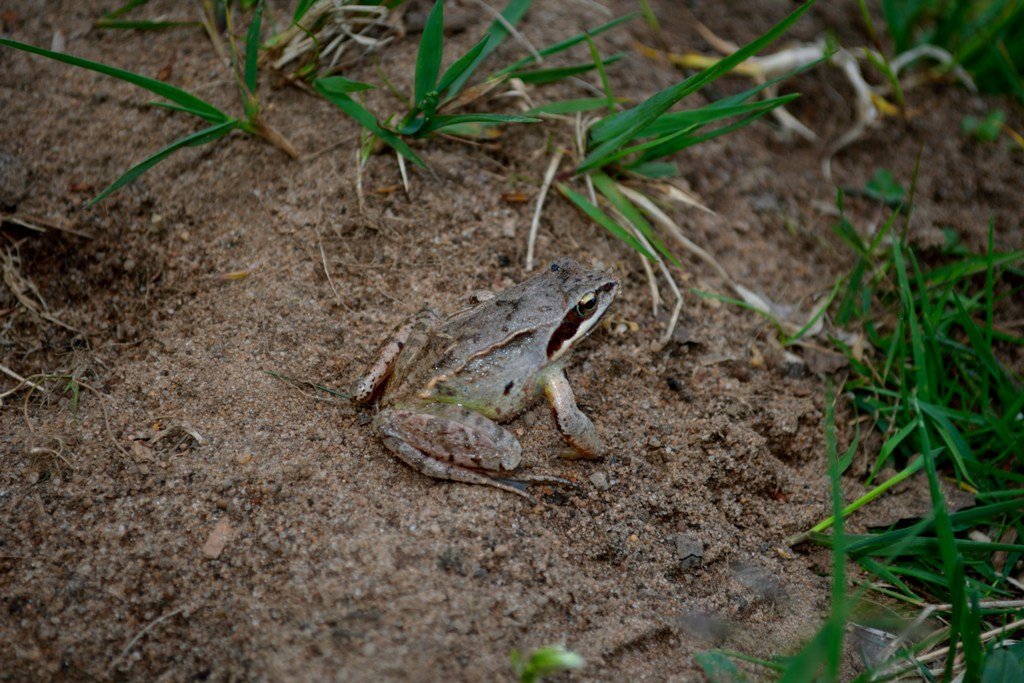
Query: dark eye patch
(570,325)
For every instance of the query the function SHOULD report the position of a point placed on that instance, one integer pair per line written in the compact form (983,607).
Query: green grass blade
(198,138)
(428,59)
(453,72)
(670,123)
(177,107)
(561,46)
(602,219)
(252,49)
(125,8)
(331,85)
(675,143)
(160,88)
(335,89)
(835,628)
(571,106)
(496,34)
(301,9)
(443,121)
(889,447)
(558,73)
(613,131)
(595,57)
(606,186)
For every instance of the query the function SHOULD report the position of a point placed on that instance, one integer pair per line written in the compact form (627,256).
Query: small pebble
(600,481)
(689,550)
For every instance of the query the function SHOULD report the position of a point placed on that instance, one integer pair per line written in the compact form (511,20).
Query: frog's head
(586,295)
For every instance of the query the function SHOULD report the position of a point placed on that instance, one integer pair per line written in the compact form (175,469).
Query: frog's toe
(540,479)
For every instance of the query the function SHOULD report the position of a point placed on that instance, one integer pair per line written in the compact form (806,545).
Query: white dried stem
(513,31)
(549,176)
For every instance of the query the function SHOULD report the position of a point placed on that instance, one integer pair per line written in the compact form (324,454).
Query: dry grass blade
(917,663)
(37,224)
(338,26)
(22,382)
(512,30)
(549,176)
(96,392)
(677,307)
(25,292)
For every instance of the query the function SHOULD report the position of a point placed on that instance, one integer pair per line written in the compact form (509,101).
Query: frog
(445,385)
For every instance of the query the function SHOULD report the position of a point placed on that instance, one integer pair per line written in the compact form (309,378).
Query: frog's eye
(587,305)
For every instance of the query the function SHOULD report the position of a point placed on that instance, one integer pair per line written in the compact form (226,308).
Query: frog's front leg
(376,375)
(447,441)
(576,428)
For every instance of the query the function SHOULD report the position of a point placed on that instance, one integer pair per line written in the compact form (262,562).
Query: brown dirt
(337,560)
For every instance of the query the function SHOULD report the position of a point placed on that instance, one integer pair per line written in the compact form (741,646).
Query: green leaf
(198,138)
(673,121)
(719,668)
(443,121)
(674,143)
(335,89)
(428,59)
(602,219)
(615,130)
(1004,665)
(334,85)
(544,661)
(460,65)
(655,169)
(252,49)
(188,100)
(550,75)
(884,187)
(984,130)
(301,9)
(496,33)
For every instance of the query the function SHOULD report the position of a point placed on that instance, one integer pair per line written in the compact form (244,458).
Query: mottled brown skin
(444,385)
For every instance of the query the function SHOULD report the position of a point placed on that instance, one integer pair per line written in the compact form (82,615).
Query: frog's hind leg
(451,442)
(432,467)
(376,375)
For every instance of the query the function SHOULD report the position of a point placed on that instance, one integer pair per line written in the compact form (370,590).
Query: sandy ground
(203,520)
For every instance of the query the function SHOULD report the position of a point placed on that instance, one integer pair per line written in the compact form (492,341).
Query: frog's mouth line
(575,326)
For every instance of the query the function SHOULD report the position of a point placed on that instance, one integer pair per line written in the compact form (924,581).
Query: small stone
(217,539)
(689,550)
(824,361)
(244,458)
(600,481)
(793,366)
(761,583)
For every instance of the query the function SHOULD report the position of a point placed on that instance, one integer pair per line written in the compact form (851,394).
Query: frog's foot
(576,428)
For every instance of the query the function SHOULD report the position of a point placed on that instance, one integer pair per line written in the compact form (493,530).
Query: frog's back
(483,357)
